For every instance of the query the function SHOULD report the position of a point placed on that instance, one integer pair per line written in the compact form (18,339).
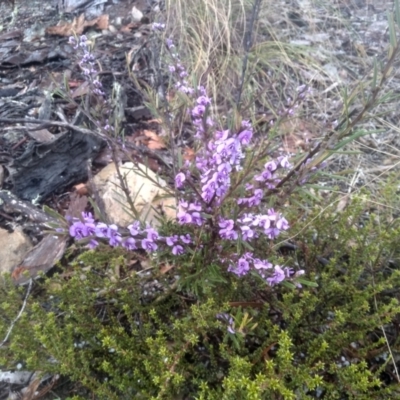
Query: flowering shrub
(206,186)
(90,73)
(324,342)
(95,325)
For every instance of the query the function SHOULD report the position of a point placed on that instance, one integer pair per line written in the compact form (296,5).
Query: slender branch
(358,117)
(247,46)
(28,291)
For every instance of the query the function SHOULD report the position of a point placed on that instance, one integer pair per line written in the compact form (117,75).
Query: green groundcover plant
(239,339)
(223,310)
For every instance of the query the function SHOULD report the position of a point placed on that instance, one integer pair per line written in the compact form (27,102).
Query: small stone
(146,195)
(14,247)
(137,15)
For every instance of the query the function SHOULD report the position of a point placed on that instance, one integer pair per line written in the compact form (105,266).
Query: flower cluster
(250,226)
(87,63)
(205,186)
(90,73)
(147,239)
(273,274)
(219,158)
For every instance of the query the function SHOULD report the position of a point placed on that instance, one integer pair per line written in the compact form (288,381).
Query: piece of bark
(10,204)
(47,168)
(40,259)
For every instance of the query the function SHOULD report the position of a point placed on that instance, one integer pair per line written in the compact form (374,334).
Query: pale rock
(137,15)
(145,194)
(13,249)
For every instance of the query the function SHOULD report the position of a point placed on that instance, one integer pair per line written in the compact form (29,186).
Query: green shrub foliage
(103,322)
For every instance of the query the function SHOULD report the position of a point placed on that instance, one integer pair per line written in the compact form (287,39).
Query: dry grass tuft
(329,45)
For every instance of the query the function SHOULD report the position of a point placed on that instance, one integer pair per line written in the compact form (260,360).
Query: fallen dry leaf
(188,154)
(296,135)
(81,90)
(77,26)
(74,28)
(101,22)
(165,268)
(130,27)
(154,142)
(74,84)
(81,189)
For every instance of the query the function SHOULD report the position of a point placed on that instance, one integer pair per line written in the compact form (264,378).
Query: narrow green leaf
(247,245)
(397,11)
(97,213)
(54,214)
(319,187)
(375,75)
(392,34)
(306,282)
(289,285)
(351,138)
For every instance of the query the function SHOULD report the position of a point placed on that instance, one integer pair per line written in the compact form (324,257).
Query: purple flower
(198,111)
(228,320)
(78,230)
(149,245)
(186,238)
(134,228)
(208,191)
(226,223)
(245,137)
(179,179)
(228,234)
(272,214)
(113,235)
(93,244)
(184,217)
(264,176)
(177,250)
(171,240)
(263,221)
(247,233)
(254,200)
(262,264)
(282,223)
(101,230)
(183,204)
(158,27)
(91,229)
(114,241)
(152,234)
(284,162)
(194,207)
(222,135)
(197,219)
(272,232)
(242,267)
(277,277)
(270,166)
(129,244)
(88,217)
(203,101)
